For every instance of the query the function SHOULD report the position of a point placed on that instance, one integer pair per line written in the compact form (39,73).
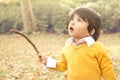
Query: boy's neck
(76,40)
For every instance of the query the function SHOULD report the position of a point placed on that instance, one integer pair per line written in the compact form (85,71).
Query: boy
(83,56)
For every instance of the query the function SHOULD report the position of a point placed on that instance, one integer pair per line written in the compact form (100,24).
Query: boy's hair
(92,17)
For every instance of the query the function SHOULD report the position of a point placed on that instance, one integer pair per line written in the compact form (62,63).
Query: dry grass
(19,61)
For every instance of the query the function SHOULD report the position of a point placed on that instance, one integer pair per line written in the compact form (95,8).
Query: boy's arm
(61,63)
(106,65)
(51,63)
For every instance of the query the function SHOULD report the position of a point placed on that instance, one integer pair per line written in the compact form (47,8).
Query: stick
(18,32)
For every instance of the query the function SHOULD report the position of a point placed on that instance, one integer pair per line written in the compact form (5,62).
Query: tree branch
(18,32)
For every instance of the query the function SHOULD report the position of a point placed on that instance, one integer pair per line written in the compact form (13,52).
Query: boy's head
(92,17)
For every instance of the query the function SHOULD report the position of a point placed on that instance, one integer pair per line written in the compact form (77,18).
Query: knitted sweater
(86,63)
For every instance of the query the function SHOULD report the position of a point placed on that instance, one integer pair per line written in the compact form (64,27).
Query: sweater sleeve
(61,63)
(106,65)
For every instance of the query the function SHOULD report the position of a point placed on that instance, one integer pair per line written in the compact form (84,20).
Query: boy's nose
(72,22)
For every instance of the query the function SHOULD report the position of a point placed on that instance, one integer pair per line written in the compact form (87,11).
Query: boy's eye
(75,19)
(78,20)
(71,18)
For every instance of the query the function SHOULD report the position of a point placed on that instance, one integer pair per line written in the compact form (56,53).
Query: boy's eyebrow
(79,18)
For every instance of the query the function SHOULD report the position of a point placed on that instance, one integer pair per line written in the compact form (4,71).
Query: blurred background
(52,15)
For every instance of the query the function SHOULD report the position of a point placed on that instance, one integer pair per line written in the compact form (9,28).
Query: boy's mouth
(71,28)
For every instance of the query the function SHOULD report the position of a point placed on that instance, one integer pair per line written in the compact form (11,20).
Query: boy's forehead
(76,15)
(83,17)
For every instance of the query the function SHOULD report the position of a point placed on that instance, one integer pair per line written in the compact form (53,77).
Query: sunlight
(1,0)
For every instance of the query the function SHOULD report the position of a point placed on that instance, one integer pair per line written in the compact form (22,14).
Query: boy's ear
(92,32)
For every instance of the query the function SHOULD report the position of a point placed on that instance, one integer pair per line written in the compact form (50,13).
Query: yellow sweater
(86,63)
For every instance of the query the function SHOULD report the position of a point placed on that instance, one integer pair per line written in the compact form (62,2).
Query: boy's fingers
(39,55)
(41,58)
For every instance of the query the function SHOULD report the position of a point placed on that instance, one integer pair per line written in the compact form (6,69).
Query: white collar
(89,40)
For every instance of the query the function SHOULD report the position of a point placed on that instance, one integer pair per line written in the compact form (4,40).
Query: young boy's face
(77,27)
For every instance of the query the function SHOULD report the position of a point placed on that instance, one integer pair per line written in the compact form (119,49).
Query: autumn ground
(18,59)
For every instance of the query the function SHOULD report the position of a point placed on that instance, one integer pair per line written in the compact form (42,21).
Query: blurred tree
(52,15)
(10,16)
(27,15)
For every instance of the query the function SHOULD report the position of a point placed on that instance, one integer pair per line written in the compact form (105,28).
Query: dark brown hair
(92,17)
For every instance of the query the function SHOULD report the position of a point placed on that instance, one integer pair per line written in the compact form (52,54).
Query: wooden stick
(18,32)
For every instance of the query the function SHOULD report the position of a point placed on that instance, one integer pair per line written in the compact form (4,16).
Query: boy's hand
(43,59)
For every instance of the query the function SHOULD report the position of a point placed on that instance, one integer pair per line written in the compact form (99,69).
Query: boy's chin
(71,35)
